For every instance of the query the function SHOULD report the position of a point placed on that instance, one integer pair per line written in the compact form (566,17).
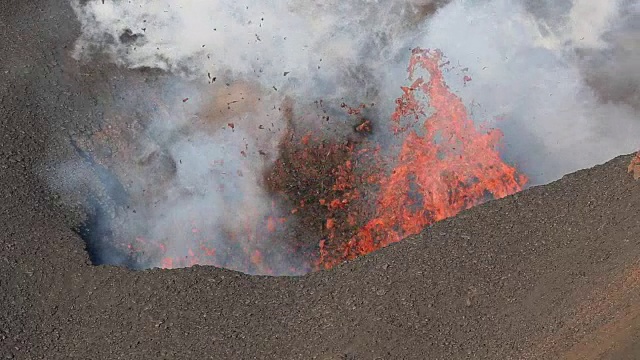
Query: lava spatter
(451,167)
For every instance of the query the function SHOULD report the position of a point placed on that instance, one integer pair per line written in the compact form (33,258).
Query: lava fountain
(450,167)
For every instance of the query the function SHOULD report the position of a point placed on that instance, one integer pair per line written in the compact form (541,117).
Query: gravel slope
(553,272)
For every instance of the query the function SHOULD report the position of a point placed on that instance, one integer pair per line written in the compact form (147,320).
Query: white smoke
(312,41)
(525,68)
(547,72)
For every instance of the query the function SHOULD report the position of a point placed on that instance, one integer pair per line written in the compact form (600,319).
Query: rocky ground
(553,272)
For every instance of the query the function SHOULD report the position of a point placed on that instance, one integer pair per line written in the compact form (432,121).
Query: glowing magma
(451,167)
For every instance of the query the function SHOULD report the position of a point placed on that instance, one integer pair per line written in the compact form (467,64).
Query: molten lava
(451,167)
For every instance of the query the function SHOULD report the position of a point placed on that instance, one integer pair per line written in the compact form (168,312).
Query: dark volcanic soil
(549,273)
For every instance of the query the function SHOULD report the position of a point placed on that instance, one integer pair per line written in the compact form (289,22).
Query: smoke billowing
(557,77)
(552,71)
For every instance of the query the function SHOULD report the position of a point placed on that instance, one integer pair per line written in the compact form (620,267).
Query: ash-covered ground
(548,273)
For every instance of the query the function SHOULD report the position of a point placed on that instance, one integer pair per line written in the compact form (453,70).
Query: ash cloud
(557,77)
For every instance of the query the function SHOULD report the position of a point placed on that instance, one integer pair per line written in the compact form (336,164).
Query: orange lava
(451,167)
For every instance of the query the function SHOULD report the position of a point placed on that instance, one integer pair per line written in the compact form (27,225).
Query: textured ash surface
(552,272)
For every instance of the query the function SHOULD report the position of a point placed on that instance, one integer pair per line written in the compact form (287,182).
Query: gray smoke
(558,77)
